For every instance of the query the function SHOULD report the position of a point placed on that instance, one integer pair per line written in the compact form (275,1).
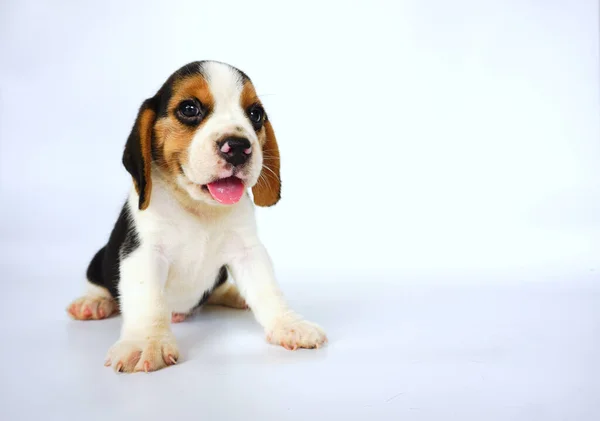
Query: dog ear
(267,191)
(137,157)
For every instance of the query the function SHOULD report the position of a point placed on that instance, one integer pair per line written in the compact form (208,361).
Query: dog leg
(254,274)
(146,342)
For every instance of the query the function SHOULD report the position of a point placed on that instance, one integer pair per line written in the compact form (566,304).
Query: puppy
(195,150)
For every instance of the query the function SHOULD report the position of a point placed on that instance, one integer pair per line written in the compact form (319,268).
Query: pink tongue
(227,190)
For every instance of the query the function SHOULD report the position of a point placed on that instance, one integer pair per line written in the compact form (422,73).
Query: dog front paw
(292,333)
(148,354)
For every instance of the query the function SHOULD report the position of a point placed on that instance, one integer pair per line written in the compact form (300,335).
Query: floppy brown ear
(137,156)
(267,190)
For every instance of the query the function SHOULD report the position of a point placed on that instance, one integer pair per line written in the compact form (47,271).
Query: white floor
(405,346)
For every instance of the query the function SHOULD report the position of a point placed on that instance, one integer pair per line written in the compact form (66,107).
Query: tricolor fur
(194,150)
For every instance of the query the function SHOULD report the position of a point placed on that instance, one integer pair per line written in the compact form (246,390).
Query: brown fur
(172,137)
(267,190)
(248,96)
(146,123)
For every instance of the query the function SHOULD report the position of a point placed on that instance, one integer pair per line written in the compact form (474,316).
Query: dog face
(206,132)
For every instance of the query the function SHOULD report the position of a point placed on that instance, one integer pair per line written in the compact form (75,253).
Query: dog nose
(235,150)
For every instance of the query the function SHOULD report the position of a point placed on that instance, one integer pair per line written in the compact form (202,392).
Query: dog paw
(92,308)
(149,354)
(178,317)
(294,334)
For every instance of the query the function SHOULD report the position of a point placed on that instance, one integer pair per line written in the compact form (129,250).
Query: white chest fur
(192,244)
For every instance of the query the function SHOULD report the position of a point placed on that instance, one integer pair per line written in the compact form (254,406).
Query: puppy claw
(289,347)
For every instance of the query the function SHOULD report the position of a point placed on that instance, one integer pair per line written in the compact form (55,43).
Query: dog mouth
(227,191)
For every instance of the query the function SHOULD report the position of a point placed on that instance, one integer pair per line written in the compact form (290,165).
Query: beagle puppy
(195,150)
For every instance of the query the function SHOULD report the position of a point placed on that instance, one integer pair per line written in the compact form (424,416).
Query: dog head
(207,133)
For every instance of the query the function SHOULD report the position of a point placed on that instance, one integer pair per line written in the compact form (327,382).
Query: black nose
(235,150)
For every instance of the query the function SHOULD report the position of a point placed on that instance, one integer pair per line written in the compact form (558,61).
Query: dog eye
(256,114)
(189,109)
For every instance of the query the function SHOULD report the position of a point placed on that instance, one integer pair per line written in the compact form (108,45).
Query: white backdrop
(414,134)
(423,140)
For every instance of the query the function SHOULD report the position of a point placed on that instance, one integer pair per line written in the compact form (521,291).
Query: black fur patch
(104,267)
(164,94)
(132,242)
